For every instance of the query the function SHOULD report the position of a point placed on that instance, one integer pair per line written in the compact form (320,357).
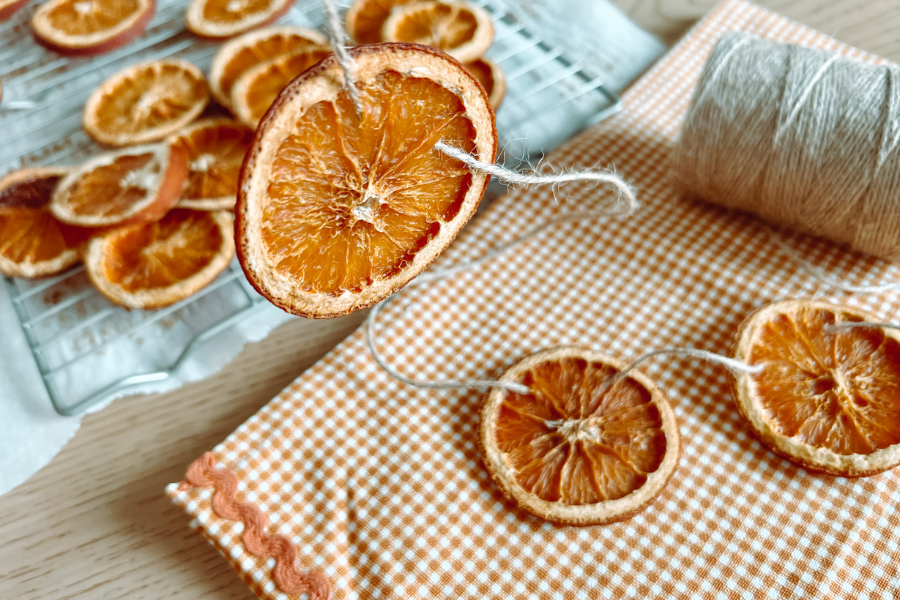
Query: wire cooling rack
(88,350)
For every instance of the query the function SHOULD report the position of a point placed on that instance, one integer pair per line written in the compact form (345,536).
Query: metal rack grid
(70,328)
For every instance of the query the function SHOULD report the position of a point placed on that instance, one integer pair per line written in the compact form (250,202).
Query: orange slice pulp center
(230,12)
(86,17)
(351,201)
(149,97)
(215,153)
(576,441)
(436,24)
(837,390)
(161,254)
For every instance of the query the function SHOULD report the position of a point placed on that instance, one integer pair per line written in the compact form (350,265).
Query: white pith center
(84,8)
(203,162)
(587,430)
(143,178)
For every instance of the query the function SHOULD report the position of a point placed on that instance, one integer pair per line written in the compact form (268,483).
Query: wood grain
(95,523)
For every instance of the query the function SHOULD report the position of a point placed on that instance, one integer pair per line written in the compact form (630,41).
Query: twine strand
(733,365)
(823,276)
(338,40)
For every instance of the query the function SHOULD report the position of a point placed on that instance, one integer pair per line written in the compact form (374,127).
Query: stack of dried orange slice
(248,72)
(151,222)
(460,29)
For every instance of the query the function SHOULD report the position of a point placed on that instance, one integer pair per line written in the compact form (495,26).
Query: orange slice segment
(227,18)
(255,91)
(463,31)
(490,76)
(129,186)
(152,265)
(254,48)
(32,242)
(88,27)
(828,400)
(215,149)
(336,212)
(145,103)
(577,450)
(366,18)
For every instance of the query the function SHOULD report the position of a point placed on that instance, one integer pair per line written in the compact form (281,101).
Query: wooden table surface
(95,522)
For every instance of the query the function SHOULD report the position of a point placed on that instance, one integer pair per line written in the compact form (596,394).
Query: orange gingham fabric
(380,485)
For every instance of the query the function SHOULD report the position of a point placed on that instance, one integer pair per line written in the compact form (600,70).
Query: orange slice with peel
(490,76)
(460,29)
(129,186)
(215,149)
(365,18)
(255,91)
(152,265)
(252,49)
(826,399)
(227,18)
(32,242)
(336,212)
(89,27)
(145,103)
(577,449)
(9,7)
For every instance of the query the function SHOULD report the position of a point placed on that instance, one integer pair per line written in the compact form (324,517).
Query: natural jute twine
(800,137)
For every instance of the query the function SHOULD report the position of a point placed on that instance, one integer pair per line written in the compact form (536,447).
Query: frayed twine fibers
(800,137)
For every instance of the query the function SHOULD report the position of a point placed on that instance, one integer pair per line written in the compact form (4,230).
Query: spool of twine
(800,137)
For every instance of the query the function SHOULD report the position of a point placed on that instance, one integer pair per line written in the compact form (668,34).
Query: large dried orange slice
(254,48)
(576,449)
(88,27)
(227,18)
(9,7)
(460,29)
(145,103)
(215,149)
(827,399)
(255,91)
(129,186)
(336,212)
(151,265)
(490,75)
(365,19)
(32,242)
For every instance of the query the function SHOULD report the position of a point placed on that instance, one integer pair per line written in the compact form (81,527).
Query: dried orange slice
(151,265)
(88,27)
(490,75)
(254,48)
(335,213)
(366,18)
(32,242)
(828,400)
(215,149)
(227,18)
(578,450)
(128,186)
(255,91)
(9,7)
(463,31)
(145,103)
